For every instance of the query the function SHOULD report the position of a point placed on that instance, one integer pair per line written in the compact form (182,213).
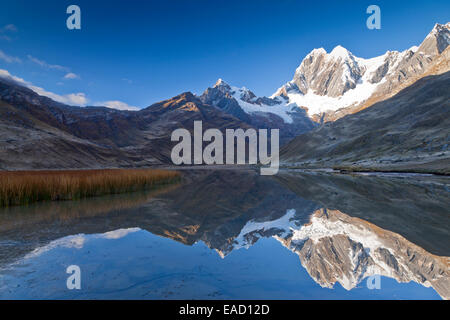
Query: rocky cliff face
(330,74)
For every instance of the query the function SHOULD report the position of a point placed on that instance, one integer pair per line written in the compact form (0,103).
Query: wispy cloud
(9,59)
(46,65)
(6,31)
(71,75)
(78,99)
(119,105)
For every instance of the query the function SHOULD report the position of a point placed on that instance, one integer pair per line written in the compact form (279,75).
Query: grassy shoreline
(25,187)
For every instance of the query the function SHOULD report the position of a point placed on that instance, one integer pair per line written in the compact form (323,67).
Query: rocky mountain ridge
(38,133)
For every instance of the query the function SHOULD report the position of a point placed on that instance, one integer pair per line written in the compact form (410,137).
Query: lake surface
(233,234)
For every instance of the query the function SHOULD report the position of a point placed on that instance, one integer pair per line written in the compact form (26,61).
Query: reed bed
(25,187)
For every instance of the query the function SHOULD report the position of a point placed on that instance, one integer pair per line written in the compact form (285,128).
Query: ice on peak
(247,101)
(221,82)
(317,51)
(340,52)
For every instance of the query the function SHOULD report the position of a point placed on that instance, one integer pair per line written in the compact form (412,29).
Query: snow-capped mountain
(259,112)
(237,100)
(331,85)
(331,81)
(326,82)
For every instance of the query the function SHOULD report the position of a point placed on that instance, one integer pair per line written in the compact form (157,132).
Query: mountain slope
(29,143)
(39,133)
(406,132)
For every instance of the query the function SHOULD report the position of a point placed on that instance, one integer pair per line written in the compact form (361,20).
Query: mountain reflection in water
(343,228)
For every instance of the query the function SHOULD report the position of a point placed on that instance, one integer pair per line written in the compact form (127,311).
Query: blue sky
(140,52)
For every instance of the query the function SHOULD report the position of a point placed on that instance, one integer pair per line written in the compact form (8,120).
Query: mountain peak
(340,52)
(317,52)
(188,96)
(438,28)
(441,31)
(221,83)
(437,40)
(413,49)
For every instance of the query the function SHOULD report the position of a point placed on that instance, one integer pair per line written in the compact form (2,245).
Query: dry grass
(24,187)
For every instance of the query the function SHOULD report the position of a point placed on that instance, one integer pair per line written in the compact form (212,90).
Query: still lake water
(232,234)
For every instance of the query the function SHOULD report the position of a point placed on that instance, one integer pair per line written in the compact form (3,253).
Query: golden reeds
(25,187)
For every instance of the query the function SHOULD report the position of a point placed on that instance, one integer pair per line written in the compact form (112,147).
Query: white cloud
(74,99)
(46,65)
(71,75)
(8,59)
(6,75)
(6,30)
(78,99)
(119,105)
